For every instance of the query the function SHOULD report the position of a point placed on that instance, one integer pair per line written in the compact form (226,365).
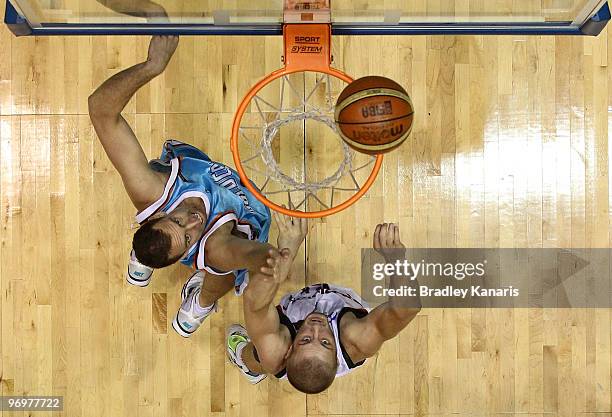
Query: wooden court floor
(509,149)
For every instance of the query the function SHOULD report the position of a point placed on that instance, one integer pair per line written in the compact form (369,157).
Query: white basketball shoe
(190,316)
(235,341)
(137,273)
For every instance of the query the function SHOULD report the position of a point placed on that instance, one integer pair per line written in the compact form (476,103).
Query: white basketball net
(296,107)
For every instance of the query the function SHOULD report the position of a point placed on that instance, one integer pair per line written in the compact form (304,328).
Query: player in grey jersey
(319,332)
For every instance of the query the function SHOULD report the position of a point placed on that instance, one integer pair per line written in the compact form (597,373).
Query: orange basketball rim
(307,47)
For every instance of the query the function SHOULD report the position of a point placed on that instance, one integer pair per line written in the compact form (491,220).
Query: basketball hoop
(307,58)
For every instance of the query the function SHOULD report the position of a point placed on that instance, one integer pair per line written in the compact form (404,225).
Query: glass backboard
(265,17)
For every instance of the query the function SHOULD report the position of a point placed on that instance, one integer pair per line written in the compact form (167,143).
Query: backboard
(265,17)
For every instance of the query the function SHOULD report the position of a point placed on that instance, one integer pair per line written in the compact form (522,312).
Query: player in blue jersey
(190,209)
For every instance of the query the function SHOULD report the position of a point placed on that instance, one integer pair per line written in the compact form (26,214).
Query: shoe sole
(177,328)
(135,281)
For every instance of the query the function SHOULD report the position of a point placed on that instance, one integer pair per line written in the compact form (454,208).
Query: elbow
(93,105)
(96,107)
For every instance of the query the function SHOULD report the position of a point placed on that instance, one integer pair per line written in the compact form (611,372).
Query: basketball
(374,115)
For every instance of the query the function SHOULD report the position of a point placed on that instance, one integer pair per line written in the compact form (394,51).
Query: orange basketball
(374,114)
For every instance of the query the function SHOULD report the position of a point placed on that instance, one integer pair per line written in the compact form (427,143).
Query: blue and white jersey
(193,174)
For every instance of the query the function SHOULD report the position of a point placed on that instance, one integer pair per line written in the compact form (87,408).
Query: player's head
(311,359)
(164,239)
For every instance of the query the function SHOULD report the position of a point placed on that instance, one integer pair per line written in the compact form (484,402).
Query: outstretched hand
(291,231)
(387,241)
(161,49)
(291,234)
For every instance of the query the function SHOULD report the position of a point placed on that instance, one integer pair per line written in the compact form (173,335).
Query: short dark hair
(152,246)
(311,375)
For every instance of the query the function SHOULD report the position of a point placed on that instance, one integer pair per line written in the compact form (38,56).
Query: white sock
(199,310)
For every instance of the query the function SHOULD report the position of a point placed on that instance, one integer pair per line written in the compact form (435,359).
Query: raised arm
(226,251)
(261,319)
(142,184)
(384,322)
(262,322)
